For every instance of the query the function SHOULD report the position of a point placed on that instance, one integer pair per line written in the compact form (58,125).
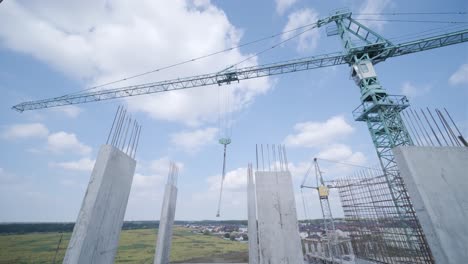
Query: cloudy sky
(50,48)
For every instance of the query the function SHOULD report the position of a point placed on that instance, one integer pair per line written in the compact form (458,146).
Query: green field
(135,246)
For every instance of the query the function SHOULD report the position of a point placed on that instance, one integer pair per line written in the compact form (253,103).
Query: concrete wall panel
(166,222)
(437,181)
(252,224)
(96,233)
(279,240)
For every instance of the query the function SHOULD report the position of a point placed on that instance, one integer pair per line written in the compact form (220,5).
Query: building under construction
(398,212)
(419,230)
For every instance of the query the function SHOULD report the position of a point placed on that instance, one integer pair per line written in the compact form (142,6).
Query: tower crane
(363,48)
(328,222)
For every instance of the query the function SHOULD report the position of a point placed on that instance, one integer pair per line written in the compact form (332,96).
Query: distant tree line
(23,228)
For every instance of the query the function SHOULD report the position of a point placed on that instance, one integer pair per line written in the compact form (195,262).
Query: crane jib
(379,54)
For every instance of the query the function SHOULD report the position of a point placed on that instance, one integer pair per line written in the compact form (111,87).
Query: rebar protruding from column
(173,174)
(124,133)
(113,122)
(278,161)
(445,135)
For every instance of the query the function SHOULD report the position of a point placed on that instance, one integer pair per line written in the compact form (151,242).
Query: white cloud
(84,164)
(411,90)
(161,166)
(336,161)
(460,76)
(193,141)
(101,41)
(314,134)
(148,183)
(283,5)
(234,198)
(308,40)
(234,181)
(69,110)
(343,153)
(373,7)
(64,142)
(21,131)
(147,190)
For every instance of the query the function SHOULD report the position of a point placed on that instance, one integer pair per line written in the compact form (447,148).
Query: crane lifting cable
(225,130)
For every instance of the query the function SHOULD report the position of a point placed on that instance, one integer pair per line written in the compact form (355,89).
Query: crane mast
(381,112)
(328,222)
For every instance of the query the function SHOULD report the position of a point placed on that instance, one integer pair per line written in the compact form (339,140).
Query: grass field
(135,246)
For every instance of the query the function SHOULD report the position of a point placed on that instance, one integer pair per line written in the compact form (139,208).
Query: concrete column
(278,231)
(96,233)
(166,222)
(319,249)
(252,215)
(306,246)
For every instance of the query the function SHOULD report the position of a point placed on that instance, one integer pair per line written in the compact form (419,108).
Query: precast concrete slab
(437,181)
(96,233)
(278,233)
(166,222)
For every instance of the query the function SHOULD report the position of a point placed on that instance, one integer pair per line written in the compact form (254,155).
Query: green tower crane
(381,112)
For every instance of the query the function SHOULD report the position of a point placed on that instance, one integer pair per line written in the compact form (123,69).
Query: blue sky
(52,48)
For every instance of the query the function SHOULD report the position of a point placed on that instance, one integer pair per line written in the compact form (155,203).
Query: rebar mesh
(377,230)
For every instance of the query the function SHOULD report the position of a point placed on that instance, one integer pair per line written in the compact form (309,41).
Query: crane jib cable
(224,109)
(412,21)
(225,142)
(411,13)
(194,59)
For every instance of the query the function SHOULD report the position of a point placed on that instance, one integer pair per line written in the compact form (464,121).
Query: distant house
(239,238)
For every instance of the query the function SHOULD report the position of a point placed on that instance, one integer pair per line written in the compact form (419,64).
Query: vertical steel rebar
(281,158)
(113,122)
(273,151)
(433,132)
(256,154)
(285,158)
(455,139)
(445,128)
(438,128)
(137,141)
(263,159)
(424,128)
(415,125)
(450,117)
(134,138)
(410,125)
(426,142)
(114,138)
(268,154)
(120,128)
(130,137)
(460,136)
